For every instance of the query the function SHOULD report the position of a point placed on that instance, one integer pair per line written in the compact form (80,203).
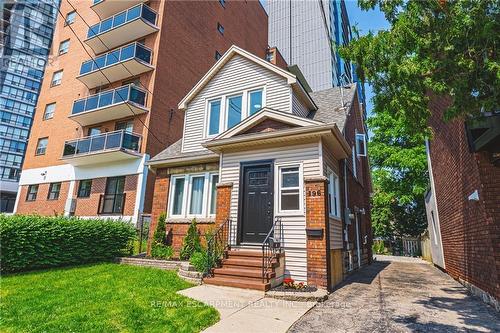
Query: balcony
(109,105)
(106,8)
(102,148)
(130,60)
(484,132)
(126,26)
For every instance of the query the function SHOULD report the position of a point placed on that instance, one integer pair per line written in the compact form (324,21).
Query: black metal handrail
(217,245)
(271,246)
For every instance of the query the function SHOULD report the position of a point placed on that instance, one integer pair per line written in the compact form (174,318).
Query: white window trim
(361,137)
(333,184)
(210,198)
(245,107)
(186,199)
(277,188)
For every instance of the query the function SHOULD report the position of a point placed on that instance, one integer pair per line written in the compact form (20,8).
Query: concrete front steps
(243,269)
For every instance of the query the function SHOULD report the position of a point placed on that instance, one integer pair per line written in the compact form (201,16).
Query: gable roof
(235,50)
(267,113)
(329,102)
(173,154)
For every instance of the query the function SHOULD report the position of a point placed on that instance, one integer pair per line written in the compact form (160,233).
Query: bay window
(193,195)
(227,111)
(290,189)
(333,194)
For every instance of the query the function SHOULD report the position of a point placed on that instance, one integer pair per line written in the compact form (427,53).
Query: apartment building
(112,98)
(307,33)
(25,39)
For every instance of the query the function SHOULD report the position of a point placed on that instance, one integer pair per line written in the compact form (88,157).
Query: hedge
(31,242)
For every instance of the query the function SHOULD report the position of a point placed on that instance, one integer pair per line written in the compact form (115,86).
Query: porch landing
(248,310)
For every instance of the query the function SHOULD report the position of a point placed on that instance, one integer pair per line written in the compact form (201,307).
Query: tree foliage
(440,47)
(447,47)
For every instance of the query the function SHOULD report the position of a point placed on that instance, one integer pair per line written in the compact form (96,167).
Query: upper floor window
(354,159)
(217,55)
(289,189)
(193,195)
(41,146)
(234,110)
(84,188)
(333,195)
(32,192)
(56,78)
(70,18)
(49,111)
(220,28)
(361,144)
(64,47)
(54,190)
(223,3)
(127,126)
(214,117)
(255,101)
(227,111)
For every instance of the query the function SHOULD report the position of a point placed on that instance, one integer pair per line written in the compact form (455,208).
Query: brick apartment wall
(359,189)
(183,51)
(316,191)
(187,51)
(42,205)
(470,230)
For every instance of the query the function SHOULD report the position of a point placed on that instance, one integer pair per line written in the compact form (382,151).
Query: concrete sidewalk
(245,310)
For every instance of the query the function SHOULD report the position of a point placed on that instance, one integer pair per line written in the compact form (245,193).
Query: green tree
(433,47)
(444,47)
(191,242)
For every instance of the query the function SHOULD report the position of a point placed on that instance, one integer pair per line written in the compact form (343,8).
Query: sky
(366,21)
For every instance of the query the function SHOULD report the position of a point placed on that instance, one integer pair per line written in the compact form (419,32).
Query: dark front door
(256,202)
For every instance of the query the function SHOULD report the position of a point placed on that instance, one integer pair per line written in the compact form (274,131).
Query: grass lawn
(100,298)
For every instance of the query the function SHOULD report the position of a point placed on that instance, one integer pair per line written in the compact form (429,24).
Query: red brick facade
(316,192)
(42,205)
(470,230)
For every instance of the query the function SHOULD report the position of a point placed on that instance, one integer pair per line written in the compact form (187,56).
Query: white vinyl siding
(306,155)
(237,75)
(298,107)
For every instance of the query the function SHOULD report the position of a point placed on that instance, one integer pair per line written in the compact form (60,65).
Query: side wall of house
(335,228)
(238,74)
(469,229)
(294,226)
(298,106)
(358,195)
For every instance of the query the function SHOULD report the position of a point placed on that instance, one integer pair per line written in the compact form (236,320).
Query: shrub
(199,260)
(159,247)
(162,251)
(30,242)
(378,247)
(191,243)
(160,235)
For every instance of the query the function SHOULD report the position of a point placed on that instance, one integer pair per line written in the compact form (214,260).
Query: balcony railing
(132,51)
(111,203)
(127,25)
(129,93)
(101,143)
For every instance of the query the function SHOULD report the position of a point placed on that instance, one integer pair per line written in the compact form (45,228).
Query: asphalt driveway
(400,296)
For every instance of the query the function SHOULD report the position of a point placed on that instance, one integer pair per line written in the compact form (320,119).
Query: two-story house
(278,172)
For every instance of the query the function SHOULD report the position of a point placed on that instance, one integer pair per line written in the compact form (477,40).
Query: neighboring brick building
(464,162)
(260,155)
(96,124)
